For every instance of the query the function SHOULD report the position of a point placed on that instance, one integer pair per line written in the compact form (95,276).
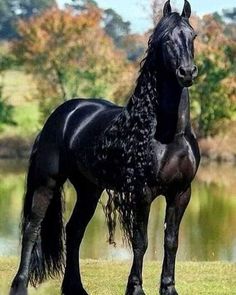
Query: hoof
(18,291)
(73,291)
(18,287)
(170,290)
(136,290)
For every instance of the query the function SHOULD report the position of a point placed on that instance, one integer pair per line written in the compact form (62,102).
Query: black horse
(136,152)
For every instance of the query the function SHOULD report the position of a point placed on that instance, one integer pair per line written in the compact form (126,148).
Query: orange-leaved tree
(69,54)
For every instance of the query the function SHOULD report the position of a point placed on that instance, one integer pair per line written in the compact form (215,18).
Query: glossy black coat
(139,151)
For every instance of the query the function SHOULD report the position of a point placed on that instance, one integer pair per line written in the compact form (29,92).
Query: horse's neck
(173,110)
(166,103)
(183,121)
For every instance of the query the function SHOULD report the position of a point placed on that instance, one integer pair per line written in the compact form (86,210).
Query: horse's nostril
(189,72)
(182,71)
(194,71)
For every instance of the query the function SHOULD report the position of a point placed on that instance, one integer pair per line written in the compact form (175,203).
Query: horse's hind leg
(41,199)
(87,199)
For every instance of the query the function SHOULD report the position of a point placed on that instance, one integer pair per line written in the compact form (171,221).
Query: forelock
(166,26)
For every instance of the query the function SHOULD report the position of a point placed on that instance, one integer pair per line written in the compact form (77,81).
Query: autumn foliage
(70,54)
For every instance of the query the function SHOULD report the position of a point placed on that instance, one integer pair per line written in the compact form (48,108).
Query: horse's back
(67,129)
(87,121)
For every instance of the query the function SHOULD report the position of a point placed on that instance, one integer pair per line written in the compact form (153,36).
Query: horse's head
(171,45)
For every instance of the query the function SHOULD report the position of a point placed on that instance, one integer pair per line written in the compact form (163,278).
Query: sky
(137,12)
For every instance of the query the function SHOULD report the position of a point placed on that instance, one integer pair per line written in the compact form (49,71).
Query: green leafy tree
(211,101)
(6,110)
(214,95)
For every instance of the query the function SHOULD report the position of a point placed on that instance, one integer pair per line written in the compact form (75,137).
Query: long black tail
(47,258)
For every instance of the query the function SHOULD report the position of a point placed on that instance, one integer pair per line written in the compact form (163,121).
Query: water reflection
(208,231)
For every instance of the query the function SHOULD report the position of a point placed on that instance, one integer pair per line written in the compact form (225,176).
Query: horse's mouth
(184,82)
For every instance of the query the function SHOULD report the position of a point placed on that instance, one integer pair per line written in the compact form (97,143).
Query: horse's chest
(175,163)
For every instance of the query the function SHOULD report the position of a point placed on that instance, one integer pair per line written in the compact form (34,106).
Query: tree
(70,55)
(134,45)
(81,4)
(7,19)
(230,25)
(6,110)
(28,8)
(230,14)
(13,10)
(113,23)
(213,100)
(115,26)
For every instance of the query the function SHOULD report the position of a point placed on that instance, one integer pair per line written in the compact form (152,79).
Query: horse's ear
(187,9)
(167,8)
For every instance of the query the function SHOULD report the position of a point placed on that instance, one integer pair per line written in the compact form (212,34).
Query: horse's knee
(143,247)
(71,231)
(140,245)
(171,242)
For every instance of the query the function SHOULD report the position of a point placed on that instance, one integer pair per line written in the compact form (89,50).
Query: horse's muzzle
(186,75)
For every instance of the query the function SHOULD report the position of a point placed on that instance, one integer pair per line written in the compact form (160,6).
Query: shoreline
(19,149)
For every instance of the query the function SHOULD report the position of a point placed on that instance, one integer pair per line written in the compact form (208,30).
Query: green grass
(27,118)
(19,87)
(109,278)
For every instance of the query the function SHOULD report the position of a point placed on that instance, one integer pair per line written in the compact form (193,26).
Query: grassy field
(19,87)
(109,278)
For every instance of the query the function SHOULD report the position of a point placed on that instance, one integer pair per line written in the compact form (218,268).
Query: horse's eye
(195,36)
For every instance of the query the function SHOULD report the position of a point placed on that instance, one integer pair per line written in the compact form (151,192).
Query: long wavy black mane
(127,141)
(137,153)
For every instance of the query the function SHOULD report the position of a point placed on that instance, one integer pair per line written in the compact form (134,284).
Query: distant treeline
(83,50)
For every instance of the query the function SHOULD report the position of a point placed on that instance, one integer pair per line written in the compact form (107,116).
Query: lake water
(208,229)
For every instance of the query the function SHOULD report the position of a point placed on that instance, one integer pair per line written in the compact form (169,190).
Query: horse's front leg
(139,245)
(176,205)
